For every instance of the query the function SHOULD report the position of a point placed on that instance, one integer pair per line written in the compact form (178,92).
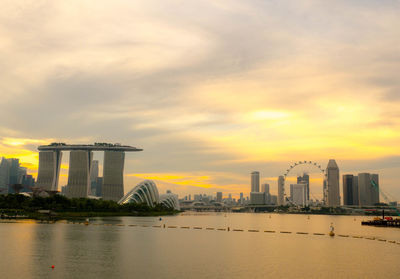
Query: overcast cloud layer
(211,90)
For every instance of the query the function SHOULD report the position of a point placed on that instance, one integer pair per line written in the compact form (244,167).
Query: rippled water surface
(116,248)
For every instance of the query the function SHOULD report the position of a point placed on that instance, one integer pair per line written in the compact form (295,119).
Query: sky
(211,90)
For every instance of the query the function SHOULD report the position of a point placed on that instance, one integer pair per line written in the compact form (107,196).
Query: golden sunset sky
(211,90)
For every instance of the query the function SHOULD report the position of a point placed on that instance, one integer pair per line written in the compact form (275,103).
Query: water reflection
(98,251)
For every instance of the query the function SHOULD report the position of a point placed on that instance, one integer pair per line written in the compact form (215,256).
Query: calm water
(29,249)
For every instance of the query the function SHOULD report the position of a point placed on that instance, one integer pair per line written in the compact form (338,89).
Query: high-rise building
(375,188)
(332,184)
(113,178)
(364,186)
(219,196)
(305,179)
(255,181)
(49,170)
(12,173)
(79,173)
(368,192)
(281,190)
(265,189)
(350,190)
(4,176)
(27,182)
(241,201)
(299,194)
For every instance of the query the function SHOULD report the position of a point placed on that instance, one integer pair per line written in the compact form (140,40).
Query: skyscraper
(368,192)
(375,188)
(350,190)
(79,173)
(364,185)
(281,190)
(49,170)
(305,179)
(113,175)
(14,171)
(255,181)
(299,194)
(4,176)
(332,184)
(265,189)
(219,196)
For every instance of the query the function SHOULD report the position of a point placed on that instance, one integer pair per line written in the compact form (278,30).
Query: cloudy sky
(211,90)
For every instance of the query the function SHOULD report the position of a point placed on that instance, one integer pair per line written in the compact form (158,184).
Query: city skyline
(242,87)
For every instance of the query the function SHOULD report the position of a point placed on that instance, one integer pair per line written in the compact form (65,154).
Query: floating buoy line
(227,229)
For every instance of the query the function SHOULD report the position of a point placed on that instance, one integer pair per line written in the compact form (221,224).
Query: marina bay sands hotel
(80,165)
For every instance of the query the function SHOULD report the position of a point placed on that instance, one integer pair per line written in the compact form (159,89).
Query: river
(140,247)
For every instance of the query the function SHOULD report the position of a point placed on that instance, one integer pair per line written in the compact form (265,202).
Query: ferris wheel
(300,163)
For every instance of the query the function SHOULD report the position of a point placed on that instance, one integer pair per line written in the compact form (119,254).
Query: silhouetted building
(241,201)
(281,190)
(27,182)
(255,181)
(350,190)
(11,173)
(219,196)
(375,188)
(368,192)
(4,176)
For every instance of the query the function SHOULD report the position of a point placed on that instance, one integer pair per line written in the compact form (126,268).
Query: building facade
(368,187)
(281,190)
(255,181)
(265,189)
(113,175)
(299,194)
(79,173)
(350,190)
(49,170)
(219,196)
(332,194)
(257,198)
(305,179)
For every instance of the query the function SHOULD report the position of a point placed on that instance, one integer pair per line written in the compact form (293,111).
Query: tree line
(60,203)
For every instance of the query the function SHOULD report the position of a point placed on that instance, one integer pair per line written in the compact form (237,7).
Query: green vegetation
(60,207)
